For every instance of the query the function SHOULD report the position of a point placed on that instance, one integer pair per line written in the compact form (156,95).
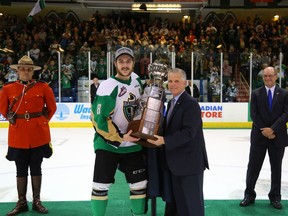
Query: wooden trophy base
(137,127)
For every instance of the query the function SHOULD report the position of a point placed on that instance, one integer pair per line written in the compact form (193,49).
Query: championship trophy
(149,112)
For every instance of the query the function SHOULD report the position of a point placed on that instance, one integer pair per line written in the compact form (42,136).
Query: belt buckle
(27,116)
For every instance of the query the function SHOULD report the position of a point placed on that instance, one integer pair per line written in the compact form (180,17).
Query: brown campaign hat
(25,61)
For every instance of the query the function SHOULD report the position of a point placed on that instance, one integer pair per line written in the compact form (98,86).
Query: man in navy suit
(269,133)
(184,149)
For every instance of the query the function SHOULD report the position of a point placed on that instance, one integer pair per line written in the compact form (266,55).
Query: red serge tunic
(33,132)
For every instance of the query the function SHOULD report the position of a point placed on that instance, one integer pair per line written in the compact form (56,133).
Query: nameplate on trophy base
(147,126)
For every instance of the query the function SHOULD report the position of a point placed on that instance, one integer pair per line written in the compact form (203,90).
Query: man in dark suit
(269,132)
(184,149)
(93,88)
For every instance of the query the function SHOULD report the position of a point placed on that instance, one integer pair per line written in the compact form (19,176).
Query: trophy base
(136,127)
(143,136)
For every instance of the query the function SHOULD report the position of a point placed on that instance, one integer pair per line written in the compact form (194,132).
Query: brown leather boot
(37,206)
(21,205)
(36,187)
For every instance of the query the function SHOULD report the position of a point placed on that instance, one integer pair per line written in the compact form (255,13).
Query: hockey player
(114,147)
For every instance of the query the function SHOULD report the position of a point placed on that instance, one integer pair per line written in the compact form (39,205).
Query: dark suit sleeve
(186,127)
(281,121)
(254,112)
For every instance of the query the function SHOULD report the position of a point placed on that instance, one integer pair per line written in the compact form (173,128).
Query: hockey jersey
(112,109)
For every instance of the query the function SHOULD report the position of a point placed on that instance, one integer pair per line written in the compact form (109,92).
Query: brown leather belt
(28,116)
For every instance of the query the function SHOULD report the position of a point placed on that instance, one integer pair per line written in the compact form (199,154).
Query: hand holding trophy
(149,112)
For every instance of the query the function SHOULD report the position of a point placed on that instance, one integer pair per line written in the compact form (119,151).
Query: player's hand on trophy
(160,140)
(128,137)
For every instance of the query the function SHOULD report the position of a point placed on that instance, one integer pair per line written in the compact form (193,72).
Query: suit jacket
(93,90)
(263,117)
(185,149)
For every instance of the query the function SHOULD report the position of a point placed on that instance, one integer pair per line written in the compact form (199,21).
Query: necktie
(170,109)
(270,99)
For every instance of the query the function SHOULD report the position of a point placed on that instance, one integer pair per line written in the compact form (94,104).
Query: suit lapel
(178,102)
(275,96)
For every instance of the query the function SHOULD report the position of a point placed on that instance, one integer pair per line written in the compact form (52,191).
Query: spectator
(93,88)
(67,72)
(144,62)
(10,74)
(54,74)
(227,72)
(45,74)
(35,52)
(93,65)
(102,69)
(232,92)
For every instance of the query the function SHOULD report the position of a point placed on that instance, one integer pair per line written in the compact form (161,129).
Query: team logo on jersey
(123,91)
(130,106)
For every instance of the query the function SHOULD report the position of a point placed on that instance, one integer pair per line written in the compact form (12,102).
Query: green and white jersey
(112,110)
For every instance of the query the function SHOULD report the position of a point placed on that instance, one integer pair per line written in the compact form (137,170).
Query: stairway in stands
(242,85)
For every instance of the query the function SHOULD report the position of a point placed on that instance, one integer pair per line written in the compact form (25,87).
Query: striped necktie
(170,109)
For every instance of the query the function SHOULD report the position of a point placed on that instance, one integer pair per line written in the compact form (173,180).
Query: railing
(202,83)
(244,87)
(195,67)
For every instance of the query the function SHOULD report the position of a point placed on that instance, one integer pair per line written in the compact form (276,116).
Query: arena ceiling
(184,4)
(120,4)
(127,5)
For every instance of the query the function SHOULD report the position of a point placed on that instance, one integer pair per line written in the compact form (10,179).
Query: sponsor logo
(84,112)
(62,111)
(212,111)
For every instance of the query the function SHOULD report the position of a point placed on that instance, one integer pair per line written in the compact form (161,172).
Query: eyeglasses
(269,76)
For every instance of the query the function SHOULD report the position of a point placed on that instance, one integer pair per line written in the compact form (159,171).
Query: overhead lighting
(157,7)
(276,18)
(143,7)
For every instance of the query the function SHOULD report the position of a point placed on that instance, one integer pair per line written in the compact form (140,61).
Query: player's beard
(127,73)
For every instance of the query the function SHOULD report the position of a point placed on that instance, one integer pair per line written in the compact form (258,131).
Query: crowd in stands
(44,36)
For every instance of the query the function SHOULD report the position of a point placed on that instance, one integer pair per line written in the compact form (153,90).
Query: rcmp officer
(28,105)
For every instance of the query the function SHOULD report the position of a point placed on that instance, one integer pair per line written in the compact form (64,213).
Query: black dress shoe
(247,201)
(276,204)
